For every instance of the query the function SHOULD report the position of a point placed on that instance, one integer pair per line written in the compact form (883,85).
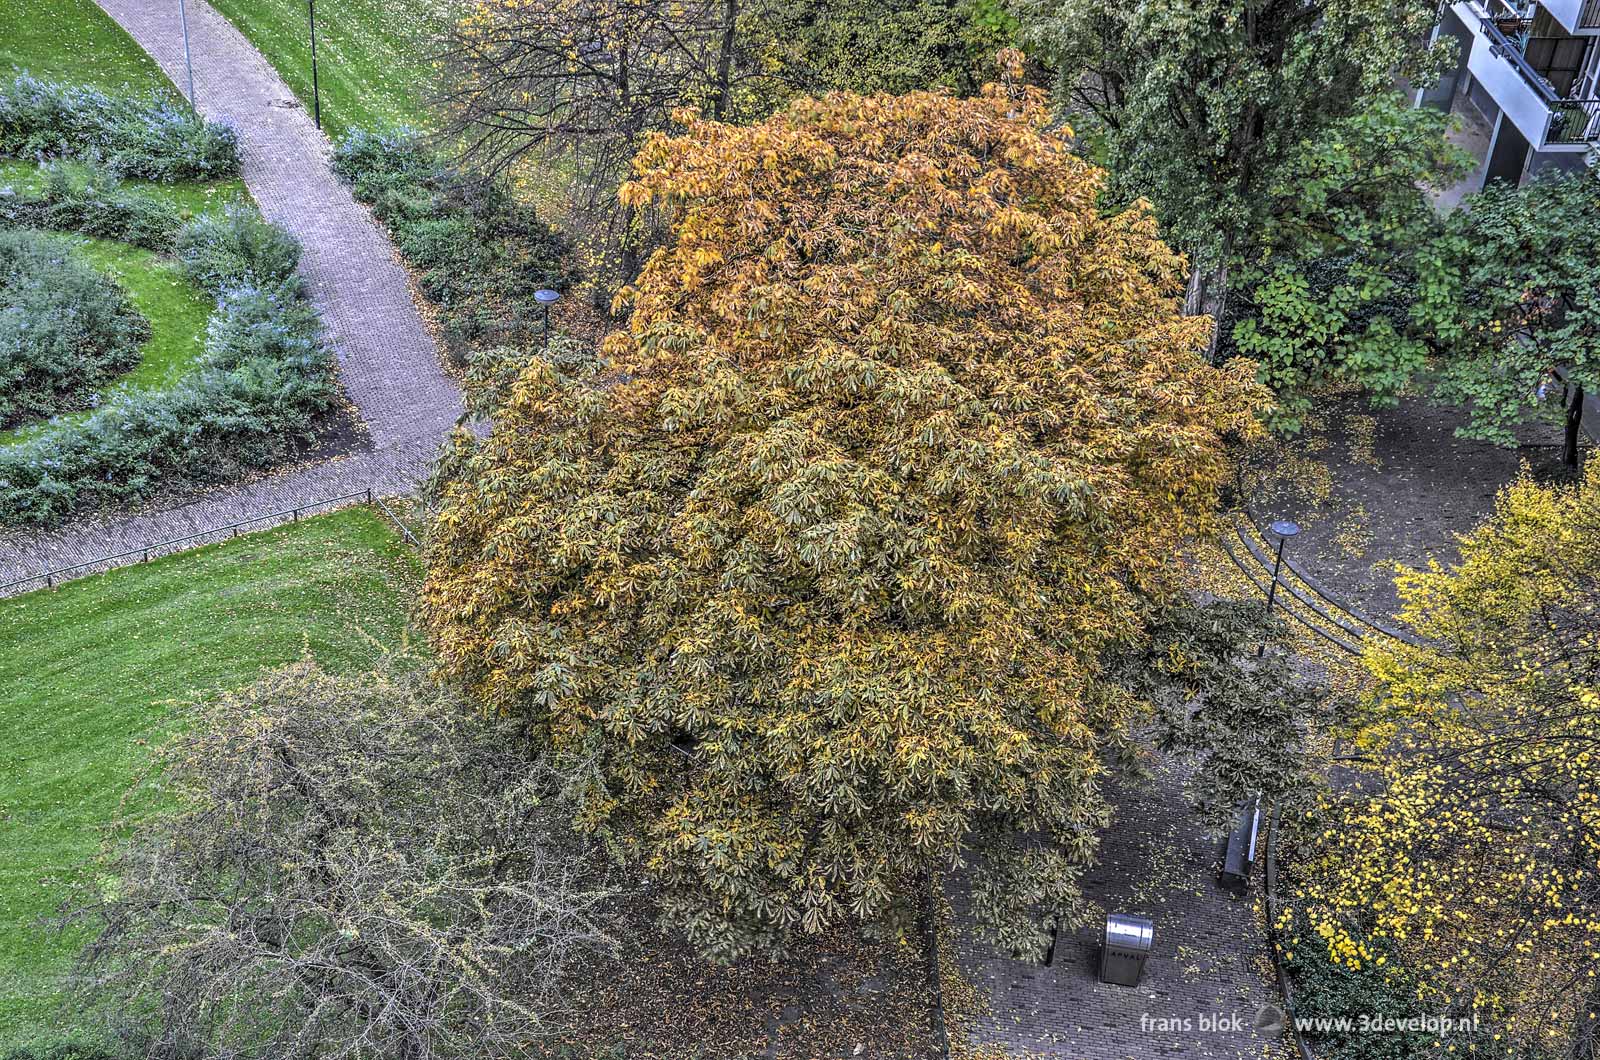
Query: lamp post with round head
(1283,530)
(546,298)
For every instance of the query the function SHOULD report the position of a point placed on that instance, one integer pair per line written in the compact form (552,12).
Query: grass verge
(192,196)
(75,41)
(373,56)
(177,310)
(90,673)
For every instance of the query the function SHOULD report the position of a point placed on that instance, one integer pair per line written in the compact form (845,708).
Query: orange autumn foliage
(810,578)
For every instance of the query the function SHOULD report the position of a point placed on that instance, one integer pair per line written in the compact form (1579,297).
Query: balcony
(1576,16)
(1550,121)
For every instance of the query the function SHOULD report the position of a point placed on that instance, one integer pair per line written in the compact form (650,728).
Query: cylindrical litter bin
(1124,948)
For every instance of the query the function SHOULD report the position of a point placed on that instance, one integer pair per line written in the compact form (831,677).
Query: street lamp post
(546,298)
(188,61)
(316,88)
(1283,530)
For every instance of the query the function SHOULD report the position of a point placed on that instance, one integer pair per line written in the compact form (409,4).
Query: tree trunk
(1208,294)
(1569,445)
(724,86)
(629,247)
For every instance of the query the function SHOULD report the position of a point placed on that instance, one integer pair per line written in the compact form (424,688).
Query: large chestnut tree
(811,577)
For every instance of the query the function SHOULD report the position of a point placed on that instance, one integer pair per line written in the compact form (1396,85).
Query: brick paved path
(388,364)
(1210,957)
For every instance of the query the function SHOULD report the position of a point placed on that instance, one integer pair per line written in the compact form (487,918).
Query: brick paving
(1209,959)
(388,364)
(1202,988)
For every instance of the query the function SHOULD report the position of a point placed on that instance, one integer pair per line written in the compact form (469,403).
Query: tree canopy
(1474,851)
(1202,103)
(347,867)
(1511,292)
(813,574)
(1325,293)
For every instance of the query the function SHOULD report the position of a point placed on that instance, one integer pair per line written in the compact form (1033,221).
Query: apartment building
(1531,70)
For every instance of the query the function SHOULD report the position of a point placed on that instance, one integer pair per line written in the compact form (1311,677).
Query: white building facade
(1531,69)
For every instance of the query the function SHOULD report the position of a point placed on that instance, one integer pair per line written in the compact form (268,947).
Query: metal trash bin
(1124,948)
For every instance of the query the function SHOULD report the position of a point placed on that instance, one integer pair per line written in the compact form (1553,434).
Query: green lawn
(73,40)
(373,56)
(89,673)
(176,308)
(193,196)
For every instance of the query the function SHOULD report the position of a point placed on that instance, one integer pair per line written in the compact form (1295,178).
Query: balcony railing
(1571,121)
(1590,18)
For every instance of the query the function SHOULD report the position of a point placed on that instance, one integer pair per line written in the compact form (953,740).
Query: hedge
(481,253)
(65,330)
(93,204)
(263,377)
(153,139)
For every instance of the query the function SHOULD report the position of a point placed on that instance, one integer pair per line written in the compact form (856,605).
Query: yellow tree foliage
(1477,858)
(812,575)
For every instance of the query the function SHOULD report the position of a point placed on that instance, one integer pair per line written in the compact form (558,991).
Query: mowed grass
(75,41)
(176,309)
(93,672)
(193,196)
(373,56)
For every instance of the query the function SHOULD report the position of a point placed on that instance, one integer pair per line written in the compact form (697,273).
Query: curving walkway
(388,364)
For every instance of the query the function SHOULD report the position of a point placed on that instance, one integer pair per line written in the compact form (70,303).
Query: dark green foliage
(1203,104)
(65,330)
(1242,720)
(1329,991)
(1326,992)
(1323,292)
(154,139)
(1511,290)
(235,247)
(63,1051)
(264,376)
(94,204)
(480,252)
(895,46)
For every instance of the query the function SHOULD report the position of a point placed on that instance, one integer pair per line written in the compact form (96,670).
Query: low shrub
(480,253)
(252,400)
(237,246)
(65,330)
(94,204)
(154,139)
(1375,1011)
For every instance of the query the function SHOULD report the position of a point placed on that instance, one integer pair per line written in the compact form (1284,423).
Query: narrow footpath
(388,363)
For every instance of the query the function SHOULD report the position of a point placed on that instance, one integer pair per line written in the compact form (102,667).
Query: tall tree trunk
(1569,445)
(1208,294)
(724,86)
(629,246)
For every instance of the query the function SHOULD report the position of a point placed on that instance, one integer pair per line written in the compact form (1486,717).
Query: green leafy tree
(1511,290)
(871,46)
(1325,296)
(1205,107)
(816,574)
(1243,718)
